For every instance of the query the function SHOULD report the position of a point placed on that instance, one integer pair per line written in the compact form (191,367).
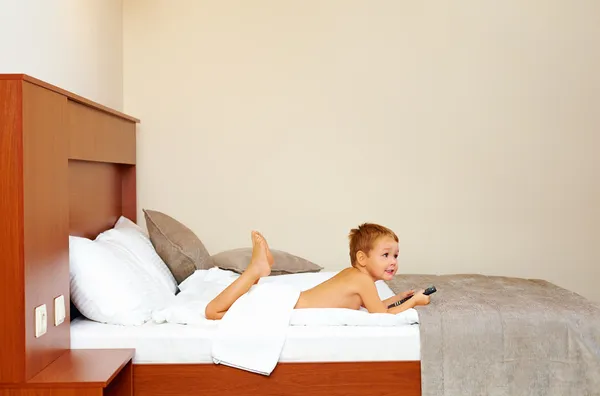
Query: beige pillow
(177,245)
(284,263)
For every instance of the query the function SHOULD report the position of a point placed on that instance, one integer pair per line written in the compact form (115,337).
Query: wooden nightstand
(81,372)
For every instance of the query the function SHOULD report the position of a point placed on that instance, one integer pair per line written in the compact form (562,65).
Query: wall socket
(59,310)
(41,320)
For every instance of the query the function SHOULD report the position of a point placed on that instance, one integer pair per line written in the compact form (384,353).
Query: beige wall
(471,128)
(75,44)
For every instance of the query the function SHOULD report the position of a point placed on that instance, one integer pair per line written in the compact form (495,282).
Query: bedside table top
(83,368)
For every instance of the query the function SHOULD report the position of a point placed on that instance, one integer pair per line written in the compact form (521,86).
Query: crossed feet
(262,259)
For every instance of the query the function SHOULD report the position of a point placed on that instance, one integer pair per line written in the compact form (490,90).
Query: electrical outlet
(41,320)
(59,310)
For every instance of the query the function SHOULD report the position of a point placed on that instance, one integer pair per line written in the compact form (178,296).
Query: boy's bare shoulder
(358,279)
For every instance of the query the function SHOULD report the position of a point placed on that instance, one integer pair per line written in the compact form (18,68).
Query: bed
(169,349)
(70,169)
(190,344)
(327,357)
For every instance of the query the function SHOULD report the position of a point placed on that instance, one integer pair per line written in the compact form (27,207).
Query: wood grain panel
(12,300)
(97,136)
(51,392)
(45,219)
(293,379)
(122,385)
(129,192)
(95,197)
(70,95)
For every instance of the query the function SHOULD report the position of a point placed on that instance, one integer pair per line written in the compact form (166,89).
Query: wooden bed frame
(68,167)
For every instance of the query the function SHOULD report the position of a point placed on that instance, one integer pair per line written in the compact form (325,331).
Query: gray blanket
(505,336)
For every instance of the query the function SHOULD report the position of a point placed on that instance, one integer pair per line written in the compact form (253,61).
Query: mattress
(176,343)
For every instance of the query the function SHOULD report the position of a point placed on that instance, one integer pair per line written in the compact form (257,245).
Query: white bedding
(181,334)
(174,343)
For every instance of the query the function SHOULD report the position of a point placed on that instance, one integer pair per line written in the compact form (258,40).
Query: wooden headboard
(67,167)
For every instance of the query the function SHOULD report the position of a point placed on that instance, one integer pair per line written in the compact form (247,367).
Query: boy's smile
(382,260)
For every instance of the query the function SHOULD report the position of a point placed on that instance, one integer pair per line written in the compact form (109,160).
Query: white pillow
(109,286)
(131,237)
(124,222)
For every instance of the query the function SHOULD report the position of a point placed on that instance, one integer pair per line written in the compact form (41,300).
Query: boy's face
(382,260)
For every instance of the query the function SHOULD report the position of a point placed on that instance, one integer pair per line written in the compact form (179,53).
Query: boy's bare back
(341,291)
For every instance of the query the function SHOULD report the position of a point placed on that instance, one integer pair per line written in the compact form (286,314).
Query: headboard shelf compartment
(99,193)
(67,164)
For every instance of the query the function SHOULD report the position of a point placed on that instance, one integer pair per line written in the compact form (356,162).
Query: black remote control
(428,291)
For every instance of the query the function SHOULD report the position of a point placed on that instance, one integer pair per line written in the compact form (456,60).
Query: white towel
(252,332)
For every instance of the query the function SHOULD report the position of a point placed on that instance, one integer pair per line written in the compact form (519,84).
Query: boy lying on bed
(373,253)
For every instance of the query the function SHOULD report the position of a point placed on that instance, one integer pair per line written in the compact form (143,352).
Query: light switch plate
(59,310)
(41,320)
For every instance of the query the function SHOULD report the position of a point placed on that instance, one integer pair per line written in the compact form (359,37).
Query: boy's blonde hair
(364,237)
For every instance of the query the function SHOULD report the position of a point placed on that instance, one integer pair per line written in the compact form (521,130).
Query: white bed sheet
(175,343)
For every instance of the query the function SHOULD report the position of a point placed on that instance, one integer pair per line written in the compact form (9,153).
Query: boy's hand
(420,299)
(407,293)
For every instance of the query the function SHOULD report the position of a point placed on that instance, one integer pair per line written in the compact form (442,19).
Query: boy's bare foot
(259,263)
(269,255)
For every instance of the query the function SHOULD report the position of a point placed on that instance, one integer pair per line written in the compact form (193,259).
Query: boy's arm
(389,301)
(371,301)
(403,307)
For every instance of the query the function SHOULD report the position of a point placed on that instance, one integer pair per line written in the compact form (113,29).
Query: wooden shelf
(100,371)
(84,368)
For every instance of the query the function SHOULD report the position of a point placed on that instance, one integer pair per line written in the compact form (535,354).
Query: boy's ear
(361,257)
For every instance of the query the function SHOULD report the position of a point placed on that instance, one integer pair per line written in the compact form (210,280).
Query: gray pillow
(177,245)
(284,263)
